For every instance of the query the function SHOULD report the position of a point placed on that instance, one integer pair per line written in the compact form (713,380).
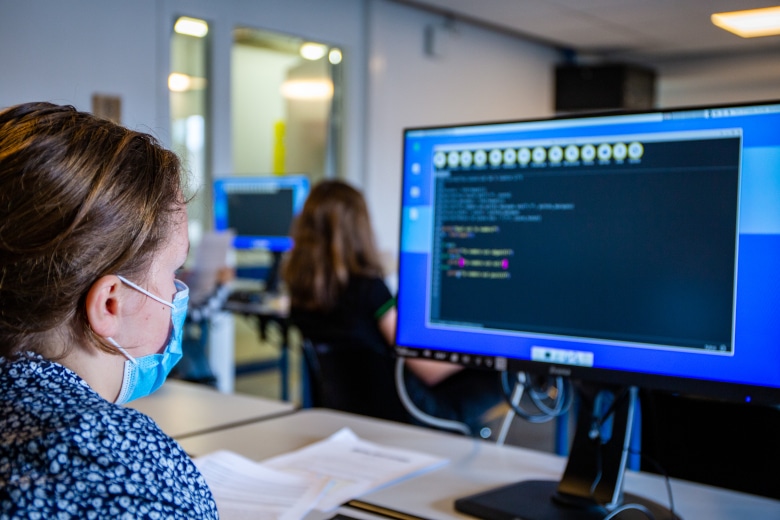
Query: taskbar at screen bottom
(579,369)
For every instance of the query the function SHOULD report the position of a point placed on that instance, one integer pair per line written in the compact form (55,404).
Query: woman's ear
(103,306)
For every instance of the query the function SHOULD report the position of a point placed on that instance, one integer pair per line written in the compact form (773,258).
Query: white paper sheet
(244,489)
(320,476)
(353,466)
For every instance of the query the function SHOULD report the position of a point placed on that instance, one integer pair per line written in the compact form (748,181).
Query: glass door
(286,105)
(189,95)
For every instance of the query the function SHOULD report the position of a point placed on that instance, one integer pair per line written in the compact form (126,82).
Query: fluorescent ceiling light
(751,23)
(178,82)
(307,89)
(313,51)
(191,27)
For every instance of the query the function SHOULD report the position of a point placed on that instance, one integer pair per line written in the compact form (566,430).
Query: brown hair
(333,241)
(80,198)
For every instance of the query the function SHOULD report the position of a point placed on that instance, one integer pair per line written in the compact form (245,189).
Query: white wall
(64,51)
(478,75)
(719,79)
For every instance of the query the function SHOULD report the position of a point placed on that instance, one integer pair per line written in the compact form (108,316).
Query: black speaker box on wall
(604,87)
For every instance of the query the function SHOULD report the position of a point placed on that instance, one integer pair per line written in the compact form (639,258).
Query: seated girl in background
(339,301)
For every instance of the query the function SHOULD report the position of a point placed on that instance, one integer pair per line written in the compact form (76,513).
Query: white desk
(475,465)
(182,409)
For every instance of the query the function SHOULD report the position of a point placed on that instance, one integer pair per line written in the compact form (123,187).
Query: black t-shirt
(354,319)
(464,397)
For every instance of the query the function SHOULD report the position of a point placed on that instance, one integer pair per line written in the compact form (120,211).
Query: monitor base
(538,500)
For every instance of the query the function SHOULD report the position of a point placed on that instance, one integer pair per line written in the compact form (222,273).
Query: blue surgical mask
(146,374)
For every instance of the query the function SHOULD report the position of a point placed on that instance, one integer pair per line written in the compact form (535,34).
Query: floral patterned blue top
(65,452)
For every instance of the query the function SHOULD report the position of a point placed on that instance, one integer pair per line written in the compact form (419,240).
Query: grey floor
(267,384)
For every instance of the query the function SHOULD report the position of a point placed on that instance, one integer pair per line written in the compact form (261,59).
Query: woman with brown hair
(93,229)
(339,301)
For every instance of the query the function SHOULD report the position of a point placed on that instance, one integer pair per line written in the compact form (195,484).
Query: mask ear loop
(123,351)
(150,295)
(144,291)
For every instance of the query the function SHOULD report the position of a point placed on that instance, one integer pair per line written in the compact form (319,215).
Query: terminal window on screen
(640,251)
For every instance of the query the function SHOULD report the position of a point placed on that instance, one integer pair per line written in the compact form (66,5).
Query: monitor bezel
(716,389)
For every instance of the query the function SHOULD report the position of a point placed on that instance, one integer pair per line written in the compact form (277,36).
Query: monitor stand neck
(592,484)
(600,450)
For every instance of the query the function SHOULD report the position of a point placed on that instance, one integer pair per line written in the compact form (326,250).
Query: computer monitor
(259,209)
(620,250)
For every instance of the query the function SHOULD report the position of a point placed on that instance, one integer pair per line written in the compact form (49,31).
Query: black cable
(562,401)
(667,480)
(597,423)
(595,433)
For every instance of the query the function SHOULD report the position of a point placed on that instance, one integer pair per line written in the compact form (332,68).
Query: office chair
(357,379)
(353,378)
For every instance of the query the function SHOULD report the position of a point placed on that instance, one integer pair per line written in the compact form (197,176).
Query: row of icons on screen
(538,155)
(549,355)
(498,363)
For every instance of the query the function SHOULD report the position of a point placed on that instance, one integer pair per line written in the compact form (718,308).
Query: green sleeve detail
(389,304)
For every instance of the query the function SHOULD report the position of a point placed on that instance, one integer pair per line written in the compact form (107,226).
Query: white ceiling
(640,30)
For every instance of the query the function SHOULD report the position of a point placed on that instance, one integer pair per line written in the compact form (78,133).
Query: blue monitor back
(639,249)
(259,209)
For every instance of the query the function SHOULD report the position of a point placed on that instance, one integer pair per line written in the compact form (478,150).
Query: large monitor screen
(259,209)
(640,249)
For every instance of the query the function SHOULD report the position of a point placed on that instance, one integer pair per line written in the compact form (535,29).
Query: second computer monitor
(260,209)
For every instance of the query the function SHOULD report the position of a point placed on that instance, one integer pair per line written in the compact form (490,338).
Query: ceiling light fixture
(178,82)
(307,89)
(751,23)
(313,51)
(334,56)
(191,27)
